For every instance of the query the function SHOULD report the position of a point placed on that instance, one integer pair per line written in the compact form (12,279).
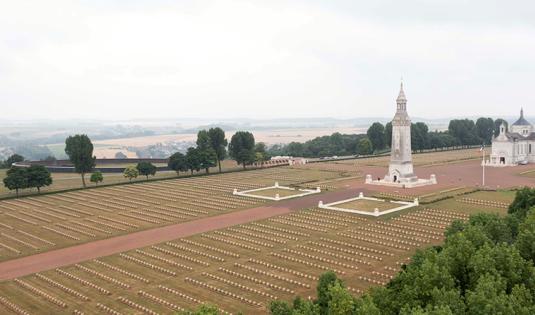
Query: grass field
(239,268)
(242,268)
(367,205)
(37,224)
(487,197)
(63,181)
(422,159)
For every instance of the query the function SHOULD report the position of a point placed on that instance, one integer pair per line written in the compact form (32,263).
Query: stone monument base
(411,182)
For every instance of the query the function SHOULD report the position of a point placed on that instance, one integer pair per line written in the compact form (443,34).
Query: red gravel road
(78,253)
(461,174)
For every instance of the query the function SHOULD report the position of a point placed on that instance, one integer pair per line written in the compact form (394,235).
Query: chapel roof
(517,136)
(521,121)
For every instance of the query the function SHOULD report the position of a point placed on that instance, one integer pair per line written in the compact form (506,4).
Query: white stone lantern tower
(400,169)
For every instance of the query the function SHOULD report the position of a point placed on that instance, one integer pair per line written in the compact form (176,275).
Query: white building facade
(514,146)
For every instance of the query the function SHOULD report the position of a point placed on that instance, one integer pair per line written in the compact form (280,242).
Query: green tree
(203,140)
(177,162)
(96,177)
(80,151)
(261,154)
(488,297)
(376,134)
(207,158)
(435,141)
(15,158)
(485,129)
(279,307)
(131,172)
(193,159)
(242,148)
(419,136)
(524,200)
(38,176)
(203,309)
(365,306)
(219,144)
(326,281)
(295,149)
(16,179)
(146,168)
(340,300)
(364,147)
(464,130)
(525,241)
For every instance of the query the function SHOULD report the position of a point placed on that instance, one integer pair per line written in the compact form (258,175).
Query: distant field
(268,136)
(108,148)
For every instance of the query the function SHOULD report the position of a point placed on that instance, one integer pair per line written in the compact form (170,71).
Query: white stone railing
(250,192)
(376,212)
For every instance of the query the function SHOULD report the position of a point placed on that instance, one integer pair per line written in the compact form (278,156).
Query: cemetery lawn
(37,224)
(243,267)
(367,205)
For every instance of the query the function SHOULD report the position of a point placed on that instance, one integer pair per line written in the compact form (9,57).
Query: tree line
(378,139)
(335,144)
(14,158)
(460,133)
(211,149)
(34,176)
(485,266)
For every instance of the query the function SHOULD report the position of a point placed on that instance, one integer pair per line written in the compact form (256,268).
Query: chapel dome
(521,121)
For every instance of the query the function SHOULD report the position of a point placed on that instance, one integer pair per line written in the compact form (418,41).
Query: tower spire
(401,100)
(521,112)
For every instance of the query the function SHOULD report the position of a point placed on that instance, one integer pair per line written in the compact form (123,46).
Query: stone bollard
(276,184)
(368,179)
(433,179)
(376,212)
(320,204)
(318,189)
(416,202)
(277,197)
(361,195)
(235,192)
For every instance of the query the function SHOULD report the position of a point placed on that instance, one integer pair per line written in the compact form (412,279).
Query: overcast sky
(265,59)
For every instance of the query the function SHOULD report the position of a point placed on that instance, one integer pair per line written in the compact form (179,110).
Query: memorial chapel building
(514,146)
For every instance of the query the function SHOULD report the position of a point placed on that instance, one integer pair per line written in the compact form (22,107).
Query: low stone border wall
(250,192)
(375,213)
(65,166)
